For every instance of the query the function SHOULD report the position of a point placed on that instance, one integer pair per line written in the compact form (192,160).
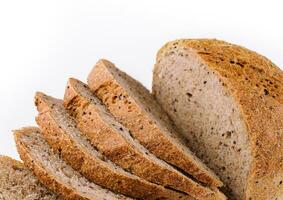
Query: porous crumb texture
(59,129)
(54,172)
(116,142)
(19,183)
(228,153)
(135,108)
(227,101)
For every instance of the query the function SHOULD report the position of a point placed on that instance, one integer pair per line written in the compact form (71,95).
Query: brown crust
(100,80)
(11,162)
(92,167)
(43,176)
(257,86)
(117,149)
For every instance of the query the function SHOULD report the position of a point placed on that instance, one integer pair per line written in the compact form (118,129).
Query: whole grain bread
(53,172)
(18,183)
(116,142)
(59,129)
(135,108)
(228,102)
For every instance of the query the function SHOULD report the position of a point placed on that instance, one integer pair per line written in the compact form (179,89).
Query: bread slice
(53,172)
(134,107)
(19,183)
(229,99)
(116,142)
(59,129)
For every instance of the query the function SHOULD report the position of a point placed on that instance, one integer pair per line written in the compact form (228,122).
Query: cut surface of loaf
(59,129)
(53,172)
(116,143)
(135,108)
(18,183)
(227,101)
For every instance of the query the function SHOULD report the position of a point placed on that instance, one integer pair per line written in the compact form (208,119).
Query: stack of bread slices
(112,139)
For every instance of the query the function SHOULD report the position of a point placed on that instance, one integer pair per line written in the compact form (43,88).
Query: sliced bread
(53,172)
(18,183)
(59,129)
(228,102)
(116,142)
(134,107)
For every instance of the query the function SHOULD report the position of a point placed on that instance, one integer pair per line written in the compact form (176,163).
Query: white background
(42,43)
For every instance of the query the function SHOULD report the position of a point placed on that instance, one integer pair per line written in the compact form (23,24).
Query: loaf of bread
(59,130)
(228,102)
(116,142)
(53,172)
(18,183)
(216,110)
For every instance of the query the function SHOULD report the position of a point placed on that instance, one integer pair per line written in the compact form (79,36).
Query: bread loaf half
(53,172)
(18,183)
(227,101)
